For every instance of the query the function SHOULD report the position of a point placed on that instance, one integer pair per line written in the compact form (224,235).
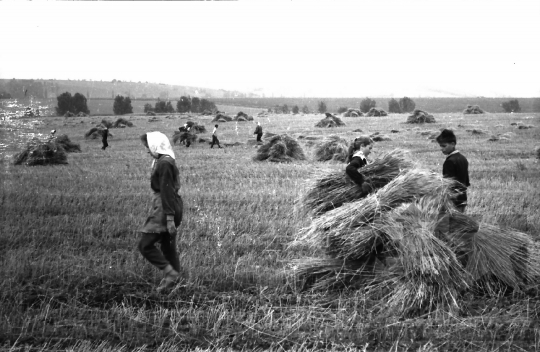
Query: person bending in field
(455,167)
(104,135)
(215,139)
(358,151)
(167,208)
(258,131)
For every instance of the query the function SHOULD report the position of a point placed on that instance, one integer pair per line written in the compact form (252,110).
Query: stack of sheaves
(406,241)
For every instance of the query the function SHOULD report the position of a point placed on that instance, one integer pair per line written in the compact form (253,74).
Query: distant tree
(169,107)
(305,109)
(321,107)
(122,105)
(184,104)
(64,103)
(406,104)
(285,109)
(367,104)
(79,104)
(295,109)
(342,109)
(393,106)
(161,106)
(208,105)
(196,104)
(511,106)
(148,107)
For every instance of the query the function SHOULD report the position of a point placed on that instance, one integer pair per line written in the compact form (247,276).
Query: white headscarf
(159,143)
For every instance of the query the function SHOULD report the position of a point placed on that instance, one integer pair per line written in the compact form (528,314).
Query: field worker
(358,151)
(258,131)
(455,166)
(215,139)
(52,135)
(104,135)
(166,216)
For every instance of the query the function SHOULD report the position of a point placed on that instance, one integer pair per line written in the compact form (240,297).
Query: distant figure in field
(258,131)
(104,136)
(167,208)
(455,167)
(215,139)
(52,135)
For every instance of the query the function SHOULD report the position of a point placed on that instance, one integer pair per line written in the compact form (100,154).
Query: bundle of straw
(64,141)
(122,121)
(280,148)
(41,153)
(334,148)
(332,189)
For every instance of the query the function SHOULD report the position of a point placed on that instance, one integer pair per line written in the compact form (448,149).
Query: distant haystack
(69,114)
(419,116)
(153,119)
(222,118)
(280,148)
(206,112)
(241,116)
(82,114)
(150,113)
(182,137)
(376,112)
(537,151)
(330,121)
(353,113)
(195,127)
(64,141)
(333,148)
(96,132)
(122,122)
(39,152)
(473,109)
(106,123)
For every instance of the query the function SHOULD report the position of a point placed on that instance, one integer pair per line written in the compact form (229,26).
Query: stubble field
(72,277)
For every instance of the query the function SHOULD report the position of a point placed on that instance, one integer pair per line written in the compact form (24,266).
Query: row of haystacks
(280,148)
(376,112)
(71,114)
(405,241)
(119,123)
(473,109)
(420,116)
(46,152)
(222,118)
(332,148)
(353,113)
(330,121)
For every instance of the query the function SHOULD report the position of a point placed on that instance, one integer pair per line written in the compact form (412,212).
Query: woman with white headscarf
(166,216)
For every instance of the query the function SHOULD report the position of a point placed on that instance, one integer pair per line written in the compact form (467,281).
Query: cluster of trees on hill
(185,104)
(74,104)
(122,105)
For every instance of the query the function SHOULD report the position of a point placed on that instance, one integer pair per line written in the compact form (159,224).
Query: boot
(171,276)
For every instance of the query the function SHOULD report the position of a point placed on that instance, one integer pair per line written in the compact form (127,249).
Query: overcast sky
(290,48)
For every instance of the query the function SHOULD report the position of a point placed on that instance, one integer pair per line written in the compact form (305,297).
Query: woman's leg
(168,247)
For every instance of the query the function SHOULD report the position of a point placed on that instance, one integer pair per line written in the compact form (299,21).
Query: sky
(283,48)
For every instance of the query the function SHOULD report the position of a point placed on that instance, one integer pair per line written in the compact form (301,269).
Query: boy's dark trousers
(160,258)
(259,135)
(215,140)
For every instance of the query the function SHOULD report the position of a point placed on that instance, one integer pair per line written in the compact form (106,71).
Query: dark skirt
(157,221)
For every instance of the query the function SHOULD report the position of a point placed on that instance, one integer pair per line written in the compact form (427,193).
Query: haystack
(408,240)
(195,127)
(206,112)
(242,116)
(280,148)
(333,148)
(69,114)
(68,146)
(181,137)
(376,112)
(419,116)
(150,113)
(95,132)
(39,152)
(222,118)
(82,114)
(330,121)
(473,109)
(331,189)
(122,121)
(353,113)
(106,123)
(537,151)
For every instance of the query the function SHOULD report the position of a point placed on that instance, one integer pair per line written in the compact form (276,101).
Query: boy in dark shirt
(359,150)
(455,166)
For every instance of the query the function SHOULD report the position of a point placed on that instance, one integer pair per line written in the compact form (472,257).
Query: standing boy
(258,131)
(215,140)
(455,167)
(104,135)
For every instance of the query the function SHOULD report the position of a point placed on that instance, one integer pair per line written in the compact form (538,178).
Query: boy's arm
(166,187)
(449,169)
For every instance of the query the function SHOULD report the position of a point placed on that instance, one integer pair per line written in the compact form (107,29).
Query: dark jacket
(258,130)
(456,167)
(352,169)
